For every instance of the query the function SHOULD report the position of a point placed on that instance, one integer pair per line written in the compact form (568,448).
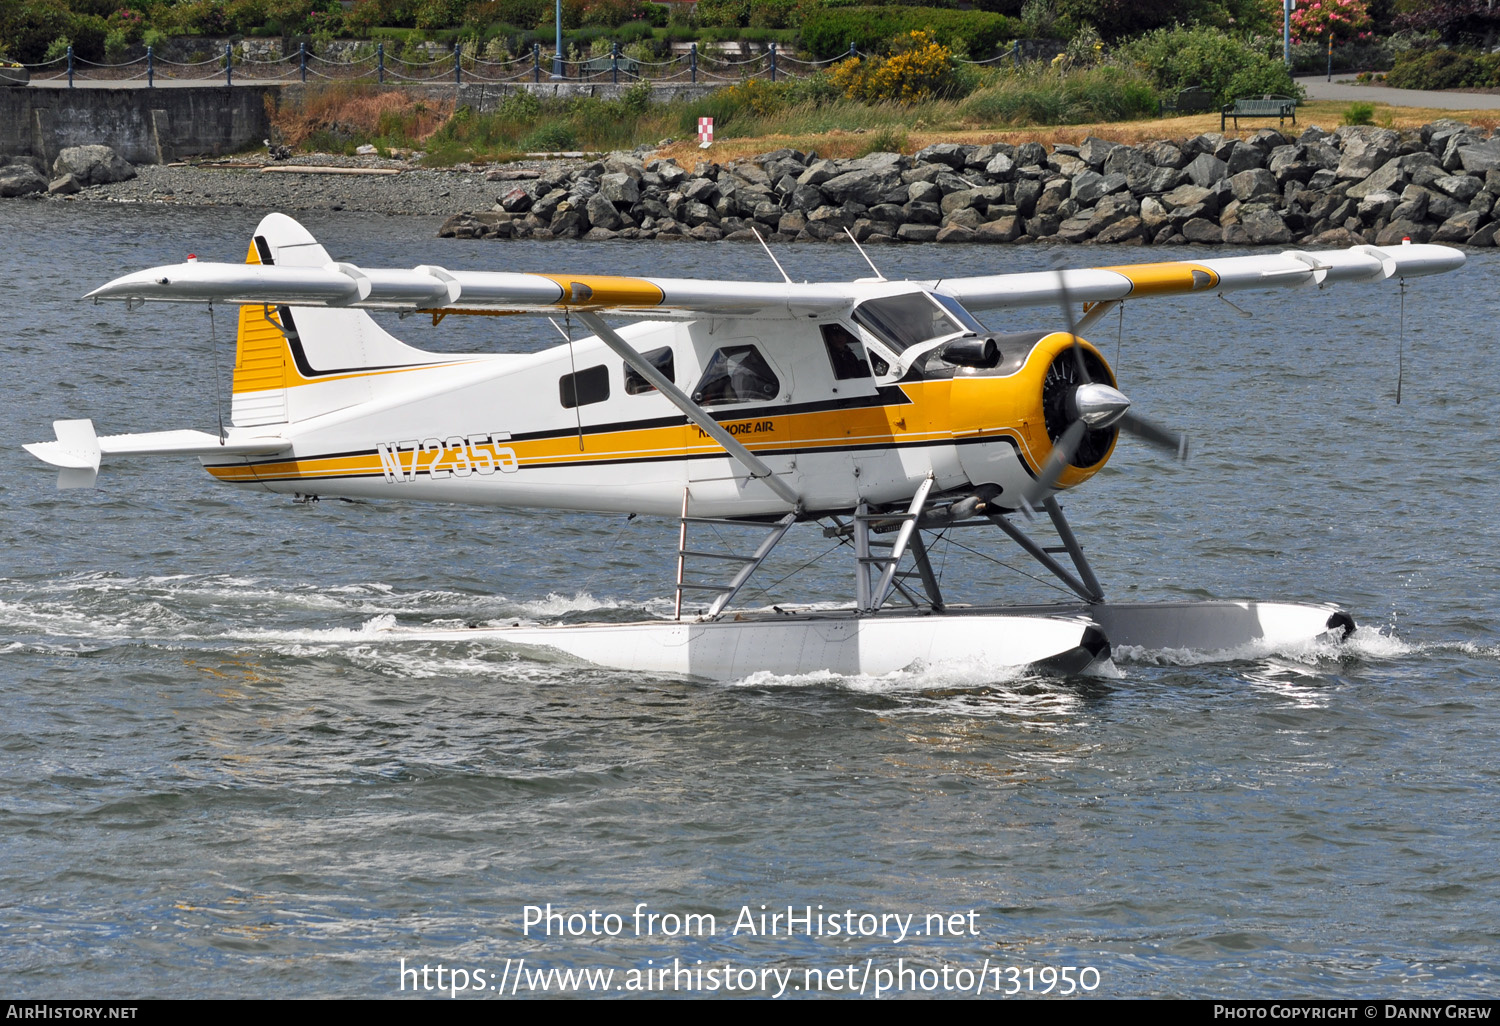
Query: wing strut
(758,467)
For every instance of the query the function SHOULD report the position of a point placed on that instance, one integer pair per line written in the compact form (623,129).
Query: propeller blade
(1062,454)
(1067,305)
(1152,433)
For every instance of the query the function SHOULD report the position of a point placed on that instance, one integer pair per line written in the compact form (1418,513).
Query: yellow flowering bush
(918,68)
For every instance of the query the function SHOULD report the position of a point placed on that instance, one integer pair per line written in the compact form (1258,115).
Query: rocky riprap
(76,168)
(1353,186)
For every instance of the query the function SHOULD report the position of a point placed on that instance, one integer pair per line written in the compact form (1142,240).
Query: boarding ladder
(869,597)
(723,591)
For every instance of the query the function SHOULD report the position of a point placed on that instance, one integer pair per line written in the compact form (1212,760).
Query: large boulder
(1206,169)
(20,180)
(1094,152)
(1256,183)
(620,188)
(954,155)
(1459,227)
(1389,176)
(867,187)
(1002,229)
(1366,148)
(92,165)
(1481,157)
(602,213)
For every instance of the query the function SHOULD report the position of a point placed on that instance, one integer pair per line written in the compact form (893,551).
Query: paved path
(1343,87)
(79,82)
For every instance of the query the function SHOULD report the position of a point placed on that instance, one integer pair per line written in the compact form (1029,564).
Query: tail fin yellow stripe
(261,357)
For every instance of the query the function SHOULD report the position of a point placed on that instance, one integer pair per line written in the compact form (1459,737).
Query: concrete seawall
(154,126)
(145,126)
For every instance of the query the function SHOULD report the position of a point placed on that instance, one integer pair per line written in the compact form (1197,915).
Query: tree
(1455,21)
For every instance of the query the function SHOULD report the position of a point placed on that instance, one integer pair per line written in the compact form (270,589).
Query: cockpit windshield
(905,321)
(956,308)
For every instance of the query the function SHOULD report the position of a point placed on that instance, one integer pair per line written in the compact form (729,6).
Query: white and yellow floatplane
(881,410)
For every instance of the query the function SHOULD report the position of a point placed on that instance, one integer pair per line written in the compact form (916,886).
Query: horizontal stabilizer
(78,449)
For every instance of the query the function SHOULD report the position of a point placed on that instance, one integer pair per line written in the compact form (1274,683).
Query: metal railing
(695,66)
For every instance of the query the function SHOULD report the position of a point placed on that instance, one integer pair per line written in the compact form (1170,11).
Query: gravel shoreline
(243,183)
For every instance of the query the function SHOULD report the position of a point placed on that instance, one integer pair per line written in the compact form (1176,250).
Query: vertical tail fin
(292,364)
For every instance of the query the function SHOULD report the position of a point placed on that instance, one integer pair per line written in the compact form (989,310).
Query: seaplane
(882,411)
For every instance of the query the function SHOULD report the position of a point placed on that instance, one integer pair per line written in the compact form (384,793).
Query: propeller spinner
(1084,414)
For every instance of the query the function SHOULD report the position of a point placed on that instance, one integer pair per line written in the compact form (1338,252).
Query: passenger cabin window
(737,374)
(661,359)
(904,321)
(590,385)
(845,352)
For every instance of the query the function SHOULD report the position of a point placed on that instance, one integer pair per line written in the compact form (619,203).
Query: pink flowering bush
(1315,20)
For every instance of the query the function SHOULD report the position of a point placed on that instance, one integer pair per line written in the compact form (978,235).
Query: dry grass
(1326,114)
(355,110)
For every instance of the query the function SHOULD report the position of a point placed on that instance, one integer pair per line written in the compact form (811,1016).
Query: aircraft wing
(1180,277)
(437,289)
(294,270)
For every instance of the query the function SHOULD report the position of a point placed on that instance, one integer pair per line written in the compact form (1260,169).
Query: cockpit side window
(845,352)
(904,321)
(661,359)
(737,374)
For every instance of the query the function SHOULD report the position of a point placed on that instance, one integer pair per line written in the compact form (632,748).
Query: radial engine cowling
(1006,419)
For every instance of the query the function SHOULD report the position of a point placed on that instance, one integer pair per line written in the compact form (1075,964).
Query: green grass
(1044,96)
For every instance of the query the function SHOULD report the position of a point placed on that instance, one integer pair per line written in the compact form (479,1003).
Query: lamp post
(557,57)
(1286,29)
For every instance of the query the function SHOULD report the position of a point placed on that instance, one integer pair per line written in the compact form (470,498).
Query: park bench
(1282,107)
(606,65)
(1192,100)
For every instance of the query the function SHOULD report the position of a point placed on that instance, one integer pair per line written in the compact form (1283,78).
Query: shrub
(127,21)
(437,14)
(752,98)
(918,68)
(57,49)
(1044,95)
(1311,56)
(728,13)
(243,15)
(196,18)
(1359,114)
(1178,57)
(1116,19)
(29,26)
(775,14)
(829,31)
(886,140)
(116,46)
(1438,68)
(550,137)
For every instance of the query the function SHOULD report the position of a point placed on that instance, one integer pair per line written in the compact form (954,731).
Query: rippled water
(216,779)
